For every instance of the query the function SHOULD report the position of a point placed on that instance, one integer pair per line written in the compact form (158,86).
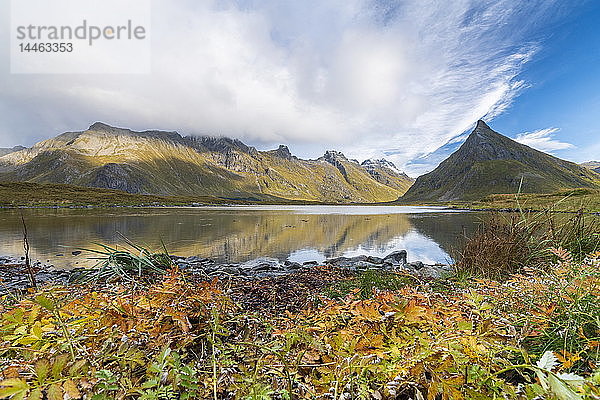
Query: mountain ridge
(167,163)
(491,163)
(593,165)
(7,150)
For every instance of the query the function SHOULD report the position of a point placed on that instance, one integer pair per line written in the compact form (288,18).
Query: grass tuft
(134,264)
(506,243)
(367,283)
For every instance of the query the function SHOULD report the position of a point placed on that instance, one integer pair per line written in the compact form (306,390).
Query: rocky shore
(13,274)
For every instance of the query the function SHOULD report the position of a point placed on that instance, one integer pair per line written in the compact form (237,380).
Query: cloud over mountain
(543,140)
(368,76)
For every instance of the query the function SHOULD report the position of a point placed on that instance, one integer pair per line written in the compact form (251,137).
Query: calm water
(241,233)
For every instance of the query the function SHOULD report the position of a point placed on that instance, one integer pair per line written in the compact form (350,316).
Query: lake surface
(241,233)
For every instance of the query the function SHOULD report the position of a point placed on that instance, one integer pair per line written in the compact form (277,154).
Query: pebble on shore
(13,275)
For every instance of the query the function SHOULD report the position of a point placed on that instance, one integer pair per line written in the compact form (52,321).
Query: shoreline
(232,205)
(13,274)
(27,195)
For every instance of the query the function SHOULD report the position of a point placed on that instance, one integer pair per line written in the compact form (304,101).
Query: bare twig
(28,268)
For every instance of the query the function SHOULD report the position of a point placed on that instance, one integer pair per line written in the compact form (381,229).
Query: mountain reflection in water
(238,234)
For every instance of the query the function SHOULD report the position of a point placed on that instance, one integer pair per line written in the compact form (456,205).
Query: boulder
(361,265)
(309,264)
(197,260)
(346,262)
(291,265)
(417,265)
(437,271)
(375,260)
(262,264)
(397,257)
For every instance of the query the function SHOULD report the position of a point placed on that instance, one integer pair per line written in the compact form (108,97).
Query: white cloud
(543,140)
(364,76)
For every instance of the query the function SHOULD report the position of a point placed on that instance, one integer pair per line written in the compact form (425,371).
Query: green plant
(365,283)
(176,338)
(130,264)
(559,385)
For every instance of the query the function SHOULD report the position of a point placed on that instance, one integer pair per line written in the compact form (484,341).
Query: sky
(404,80)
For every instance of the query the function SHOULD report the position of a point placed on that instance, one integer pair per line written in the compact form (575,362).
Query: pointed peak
(333,154)
(482,131)
(282,152)
(481,124)
(99,126)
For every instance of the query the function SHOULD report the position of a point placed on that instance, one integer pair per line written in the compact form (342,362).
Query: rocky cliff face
(384,171)
(338,160)
(489,163)
(166,163)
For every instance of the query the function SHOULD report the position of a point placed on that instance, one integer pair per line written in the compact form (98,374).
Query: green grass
(19,194)
(366,282)
(566,200)
(505,243)
(571,200)
(28,194)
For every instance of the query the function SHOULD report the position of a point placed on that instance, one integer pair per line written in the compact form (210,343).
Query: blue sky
(402,79)
(564,90)
(561,100)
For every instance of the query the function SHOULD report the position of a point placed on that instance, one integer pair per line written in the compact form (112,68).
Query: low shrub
(533,335)
(504,243)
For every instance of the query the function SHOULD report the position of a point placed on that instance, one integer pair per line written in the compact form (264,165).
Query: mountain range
(167,163)
(593,165)
(4,151)
(490,163)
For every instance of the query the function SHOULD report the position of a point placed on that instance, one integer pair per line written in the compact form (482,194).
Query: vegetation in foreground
(506,243)
(535,335)
(529,328)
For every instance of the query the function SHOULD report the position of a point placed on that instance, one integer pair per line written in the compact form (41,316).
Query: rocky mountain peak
(380,163)
(333,156)
(337,159)
(482,125)
(5,151)
(593,165)
(282,152)
(221,144)
(103,128)
(491,163)
(482,133)
(100,126)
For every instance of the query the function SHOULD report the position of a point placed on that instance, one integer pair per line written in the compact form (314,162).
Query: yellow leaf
(55,392)
(433,390)
(413,312)
(367,312)
(465,325)
(42,367)
(71,389)
(35,394)
(59,364)
(36,330)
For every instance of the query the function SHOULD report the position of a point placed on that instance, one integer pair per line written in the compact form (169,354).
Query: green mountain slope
(165,163)
(490,163)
